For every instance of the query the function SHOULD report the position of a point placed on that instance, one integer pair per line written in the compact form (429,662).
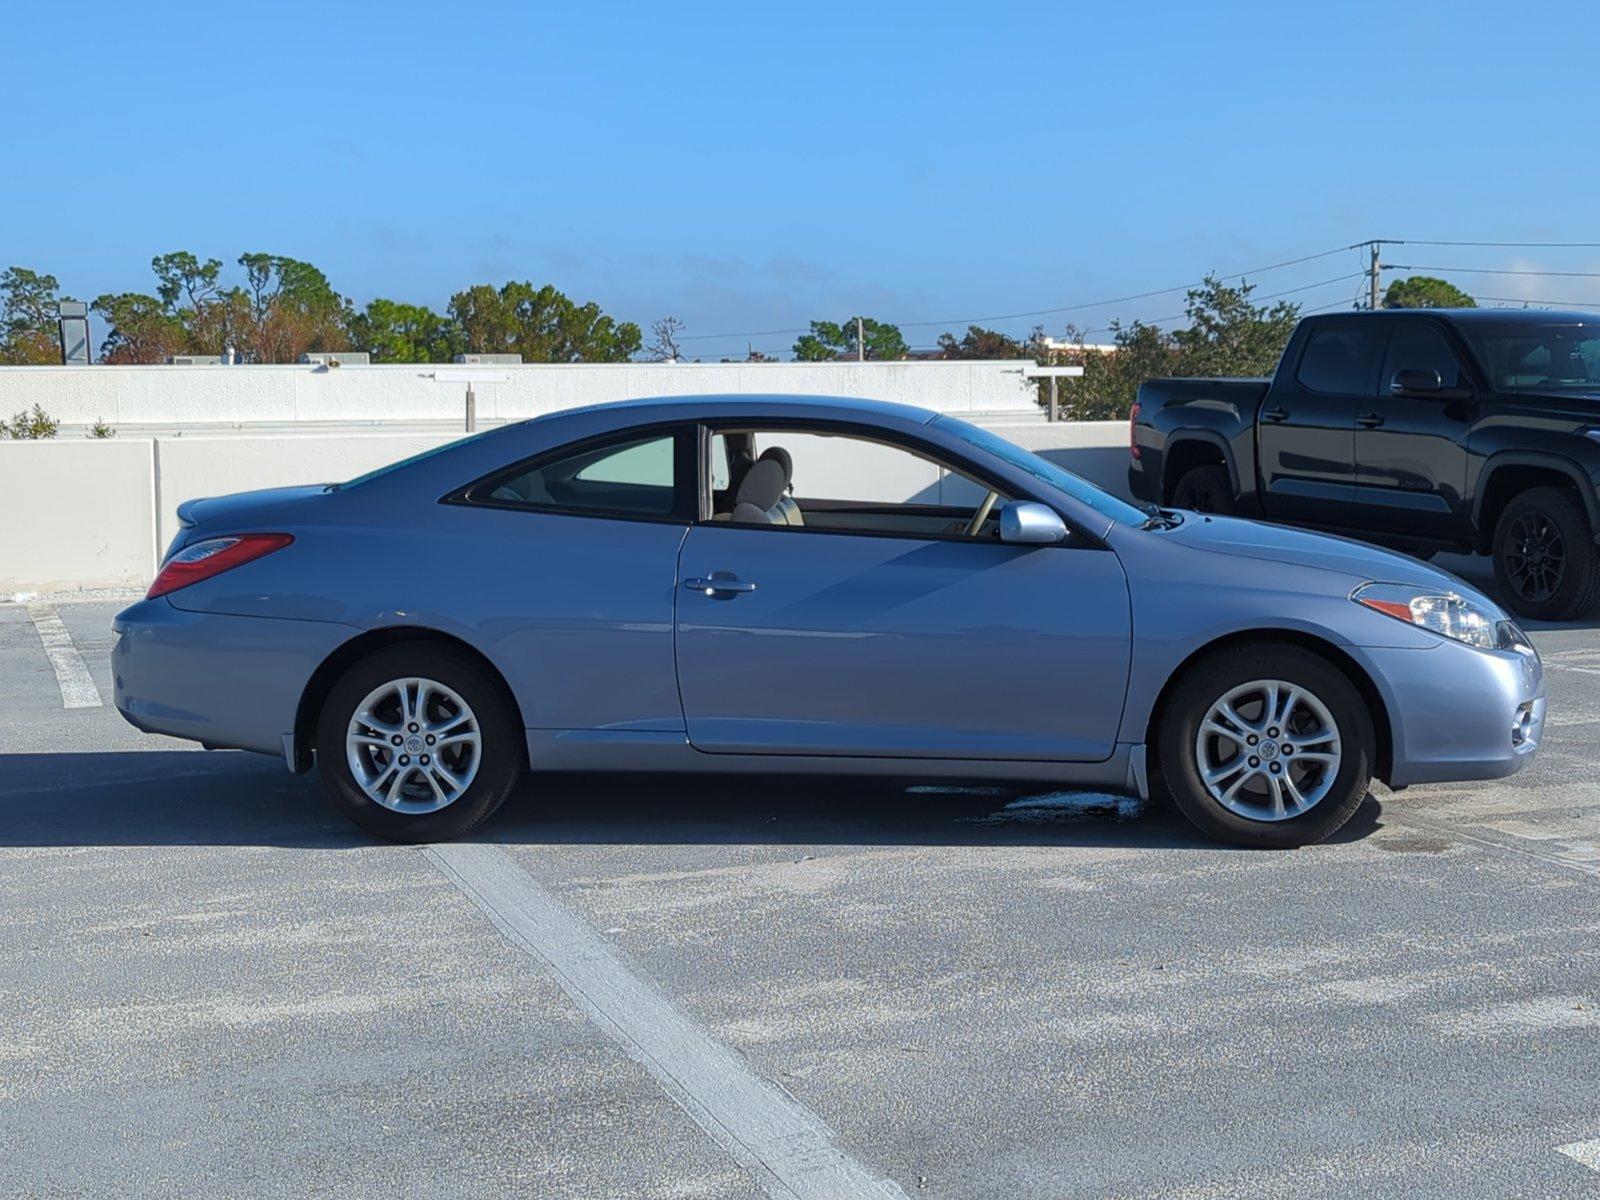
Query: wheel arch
(315,694)
(1190,448)
(1382,724)
(1510,472)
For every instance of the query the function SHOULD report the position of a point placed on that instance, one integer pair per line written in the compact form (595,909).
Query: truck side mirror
(1411,380)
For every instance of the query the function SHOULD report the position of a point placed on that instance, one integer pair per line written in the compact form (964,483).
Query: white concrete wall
(78,513)
(150,398)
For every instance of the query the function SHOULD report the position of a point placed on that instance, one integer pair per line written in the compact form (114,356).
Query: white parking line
(783,1144)
(1588,1153)
(77,685)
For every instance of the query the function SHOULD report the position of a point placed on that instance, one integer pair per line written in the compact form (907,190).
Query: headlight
(1444,613)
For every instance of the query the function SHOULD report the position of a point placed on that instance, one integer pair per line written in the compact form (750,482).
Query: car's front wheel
(1266,745)
(1545,559)
(416,744)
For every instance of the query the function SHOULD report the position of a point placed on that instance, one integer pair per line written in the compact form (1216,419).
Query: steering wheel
(982,515)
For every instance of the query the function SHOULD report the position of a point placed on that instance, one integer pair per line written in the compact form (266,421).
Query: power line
(1495,271)
(1542,245)
(1048,312)
(1532,300)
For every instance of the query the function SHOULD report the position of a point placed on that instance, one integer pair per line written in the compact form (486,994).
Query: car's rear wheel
(1545,558)
(416,744)
(1204,489)
(1266,745)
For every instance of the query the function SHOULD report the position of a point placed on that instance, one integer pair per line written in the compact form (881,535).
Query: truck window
(1338,361)
(1416,346)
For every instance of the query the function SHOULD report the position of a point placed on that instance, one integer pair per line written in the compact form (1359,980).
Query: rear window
(626,477)
(1339,361)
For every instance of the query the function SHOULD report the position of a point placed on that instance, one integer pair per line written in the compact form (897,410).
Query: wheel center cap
(414,744)
(1268,750)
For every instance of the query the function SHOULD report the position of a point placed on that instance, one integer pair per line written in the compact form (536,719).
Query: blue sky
(748,167)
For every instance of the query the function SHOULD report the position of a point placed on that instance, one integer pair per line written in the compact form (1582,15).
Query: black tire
(501,752)
(1204,489)
(1213,677)
(1544,556)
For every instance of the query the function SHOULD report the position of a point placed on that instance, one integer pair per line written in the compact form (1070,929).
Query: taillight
(203,559)
(1133,429)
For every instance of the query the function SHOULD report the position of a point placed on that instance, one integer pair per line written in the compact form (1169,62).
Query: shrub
(31,426)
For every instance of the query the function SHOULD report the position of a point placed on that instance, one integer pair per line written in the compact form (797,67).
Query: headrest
(780,456)
(762,485)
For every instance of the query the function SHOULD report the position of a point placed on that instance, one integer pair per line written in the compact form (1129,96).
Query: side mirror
(1414,380)
(1025,523)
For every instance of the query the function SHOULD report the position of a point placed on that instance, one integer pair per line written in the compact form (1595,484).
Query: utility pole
(861,342)
(1373,284)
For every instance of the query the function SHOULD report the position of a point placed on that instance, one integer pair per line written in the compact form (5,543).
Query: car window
(1042,469)
(1416,346)
(636,477)
(1338,360)
(847,483)
(1521,357)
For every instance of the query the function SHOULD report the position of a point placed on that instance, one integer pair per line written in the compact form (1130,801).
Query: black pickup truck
(1423,429)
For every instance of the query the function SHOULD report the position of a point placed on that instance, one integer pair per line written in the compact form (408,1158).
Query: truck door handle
(1276,414)
(1370,420)
(720,583)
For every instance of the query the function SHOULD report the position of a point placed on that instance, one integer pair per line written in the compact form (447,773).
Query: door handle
(1370,420)
(719,584)
(1276,414)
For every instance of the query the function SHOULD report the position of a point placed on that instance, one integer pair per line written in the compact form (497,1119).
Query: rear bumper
(225,681)
(1453,711)
(1138,486)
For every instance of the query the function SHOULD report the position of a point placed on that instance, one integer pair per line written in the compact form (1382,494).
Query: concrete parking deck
(210,985)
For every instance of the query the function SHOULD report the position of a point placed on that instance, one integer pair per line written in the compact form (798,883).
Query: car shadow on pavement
(223,798)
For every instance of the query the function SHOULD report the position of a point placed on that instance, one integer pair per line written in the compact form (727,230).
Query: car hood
(1357,561)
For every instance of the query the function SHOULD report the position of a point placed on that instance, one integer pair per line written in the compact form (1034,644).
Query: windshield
(1079,488)
(1538,358)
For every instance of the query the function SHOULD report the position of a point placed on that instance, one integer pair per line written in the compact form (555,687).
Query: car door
(1308,423)
(845,636)
(1411,448)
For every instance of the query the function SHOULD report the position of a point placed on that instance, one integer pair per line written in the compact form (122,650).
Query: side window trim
(685,470)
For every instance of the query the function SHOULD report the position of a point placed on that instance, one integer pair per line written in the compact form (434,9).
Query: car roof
(1509,316)
(771,404)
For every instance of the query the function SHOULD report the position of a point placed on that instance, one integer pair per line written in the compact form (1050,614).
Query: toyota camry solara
(783,584)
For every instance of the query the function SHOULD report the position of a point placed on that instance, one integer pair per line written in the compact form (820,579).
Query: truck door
(1411,447)
(1308,423)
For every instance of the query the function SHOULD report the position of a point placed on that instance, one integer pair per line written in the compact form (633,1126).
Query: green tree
(28,312)
(1426,291)
(292,309)
(1227,335)
(394,332)
(1111,378)
(978,342)
(541,324)
(828,341)
(183,281)
(140,329)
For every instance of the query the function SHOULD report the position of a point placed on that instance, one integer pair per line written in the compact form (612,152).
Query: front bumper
(224,681)
(1453,711)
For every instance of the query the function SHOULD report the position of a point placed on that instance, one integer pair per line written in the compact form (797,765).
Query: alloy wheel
(414,745)
(1268,750)
(1535,556)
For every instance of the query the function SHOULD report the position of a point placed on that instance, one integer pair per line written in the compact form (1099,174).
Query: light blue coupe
(772,583)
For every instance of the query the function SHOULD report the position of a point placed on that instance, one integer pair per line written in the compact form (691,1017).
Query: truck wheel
(1204,489)
(1544,556)
(415,744)
(1267,745)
